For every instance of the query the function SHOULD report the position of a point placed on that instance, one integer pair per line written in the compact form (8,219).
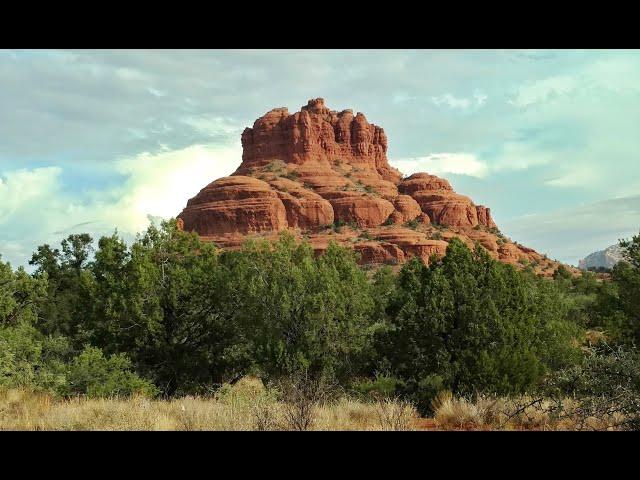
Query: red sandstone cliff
(319,168)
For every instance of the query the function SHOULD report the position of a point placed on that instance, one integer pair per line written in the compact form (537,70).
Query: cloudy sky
(97,140)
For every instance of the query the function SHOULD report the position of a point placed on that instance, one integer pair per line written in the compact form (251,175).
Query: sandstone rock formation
(324,175)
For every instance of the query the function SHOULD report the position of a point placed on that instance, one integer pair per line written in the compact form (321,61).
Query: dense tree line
(172,315)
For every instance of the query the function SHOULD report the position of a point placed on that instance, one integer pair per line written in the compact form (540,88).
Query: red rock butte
(324,175)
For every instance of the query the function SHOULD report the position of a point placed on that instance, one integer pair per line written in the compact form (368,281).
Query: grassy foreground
(245,406)
(249,406)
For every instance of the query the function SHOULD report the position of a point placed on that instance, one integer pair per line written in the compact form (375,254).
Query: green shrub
(412,223)
(94,375)
(338,224)
(292,175)
(607,383)
(426,391)
(30,359)
(381,386)
(275,166)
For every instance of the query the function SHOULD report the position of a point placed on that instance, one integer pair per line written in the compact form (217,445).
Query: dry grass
(523,413)
(245,406)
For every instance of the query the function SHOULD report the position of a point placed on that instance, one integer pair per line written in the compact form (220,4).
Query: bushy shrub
(292,175)
(606,386)
(413,223)
(381,386)
(468,323)
(93,374)
(32,360)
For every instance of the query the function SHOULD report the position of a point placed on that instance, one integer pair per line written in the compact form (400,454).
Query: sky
(94,141)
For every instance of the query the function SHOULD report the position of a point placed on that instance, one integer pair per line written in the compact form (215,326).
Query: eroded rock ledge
(325,176)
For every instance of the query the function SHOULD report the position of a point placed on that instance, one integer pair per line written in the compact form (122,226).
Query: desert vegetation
(172,333)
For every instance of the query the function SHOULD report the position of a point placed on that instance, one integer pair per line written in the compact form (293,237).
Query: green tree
(70,287)
(618,305)
(164,302)
(27,357)
(301,312)
(20,295)
(471,324)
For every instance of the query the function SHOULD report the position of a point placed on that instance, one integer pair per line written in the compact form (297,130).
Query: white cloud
(571,234)
(581,126)
(161,184)
(460,103)
(400,97)
(155,92)
(544,90)
(452,101)
(24,186)
(214,126)
(130,74)
(618,74)
(582,177)
(614,74)
(443,163)
(481,98)
(516,155)
(36,207)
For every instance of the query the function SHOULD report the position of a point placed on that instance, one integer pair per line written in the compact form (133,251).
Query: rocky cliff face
(325,176)
(606,258)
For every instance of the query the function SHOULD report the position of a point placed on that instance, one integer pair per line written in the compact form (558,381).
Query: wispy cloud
(155,92)
(215,126)
(571,234)
(460,103)
(444,163)
(544,90)
(575,178)
(451,101)
(480,98)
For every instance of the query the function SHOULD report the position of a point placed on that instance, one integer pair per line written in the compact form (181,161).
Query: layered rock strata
(324,175)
